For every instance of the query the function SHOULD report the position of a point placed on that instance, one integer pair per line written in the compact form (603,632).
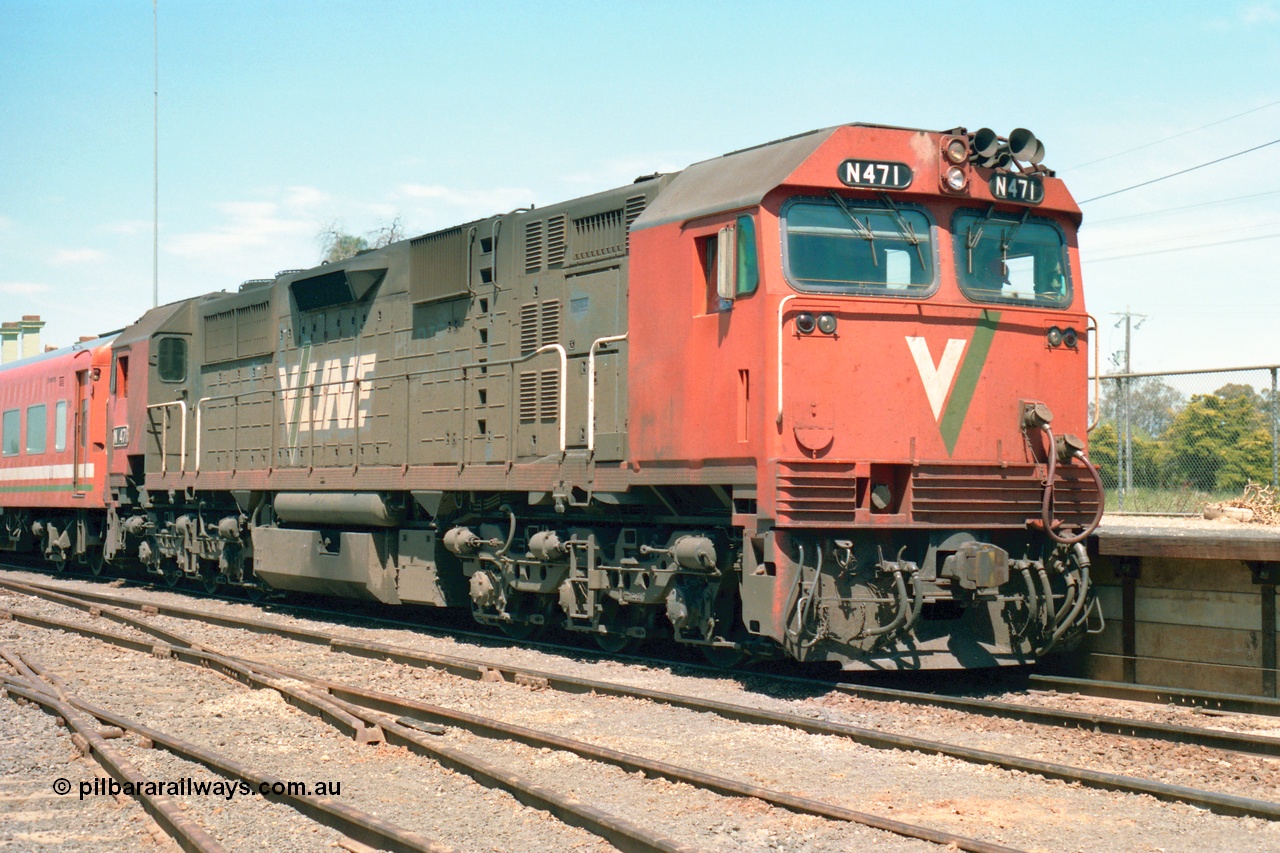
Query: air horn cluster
(997,152)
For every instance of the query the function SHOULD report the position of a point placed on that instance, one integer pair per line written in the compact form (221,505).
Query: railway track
(494,670)
(1032,683)
(363,715)
(1055,717)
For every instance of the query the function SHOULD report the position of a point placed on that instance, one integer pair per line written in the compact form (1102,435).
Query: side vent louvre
(555,241)
(238,333)
(550,322)
(599,235)
(533,247)
(539,325)
(549,395)
(539,395)
(528,328)
(633,209)
(528,396)
(438,266)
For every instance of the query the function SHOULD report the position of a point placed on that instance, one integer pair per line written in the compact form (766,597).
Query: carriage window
(1002,257)
(37,429)
(60,426)
(9,432)
(839,245)
(172,359)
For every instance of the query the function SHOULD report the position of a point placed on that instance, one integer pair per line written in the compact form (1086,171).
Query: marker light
(827,324)
(805,324)
(955,179)
(1070,338)
(1055,336)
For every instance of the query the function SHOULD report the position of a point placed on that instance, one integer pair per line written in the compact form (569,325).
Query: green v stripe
(967,379)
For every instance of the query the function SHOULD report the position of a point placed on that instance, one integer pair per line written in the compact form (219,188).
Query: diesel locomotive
(823,398)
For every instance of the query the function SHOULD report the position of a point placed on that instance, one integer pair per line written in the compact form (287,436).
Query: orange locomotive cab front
(888,325)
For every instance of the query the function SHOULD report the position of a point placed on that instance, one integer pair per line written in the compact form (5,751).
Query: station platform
(1187,603)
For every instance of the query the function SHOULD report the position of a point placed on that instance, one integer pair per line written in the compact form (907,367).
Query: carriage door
(80,434)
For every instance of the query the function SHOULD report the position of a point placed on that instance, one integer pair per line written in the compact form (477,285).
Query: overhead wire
(1181,172)
(1181,248)
(1167,138)
(1094,222)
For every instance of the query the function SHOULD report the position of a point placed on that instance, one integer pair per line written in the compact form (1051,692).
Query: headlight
(955,179)
(957,151)
(805,324)
(1055,336)
(1069,337)
(827,324)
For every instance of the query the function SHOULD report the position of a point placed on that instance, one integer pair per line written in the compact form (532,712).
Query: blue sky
(277,119)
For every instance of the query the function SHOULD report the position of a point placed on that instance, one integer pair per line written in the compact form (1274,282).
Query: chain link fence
(1169,443)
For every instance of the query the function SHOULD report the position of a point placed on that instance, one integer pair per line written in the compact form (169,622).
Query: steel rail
(1233,702)
(354,823)
(617,831)
(1121,726)
(339,694)
(185,832)
(1212,800)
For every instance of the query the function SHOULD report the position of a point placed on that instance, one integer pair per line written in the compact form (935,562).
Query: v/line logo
(950,382)
(331,394)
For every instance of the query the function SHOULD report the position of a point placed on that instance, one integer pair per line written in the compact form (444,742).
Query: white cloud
(77,256)
(127,227)
(1260,13)
(22,288)
(248,225)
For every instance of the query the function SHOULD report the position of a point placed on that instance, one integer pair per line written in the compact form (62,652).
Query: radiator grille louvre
(997,497)
(438,266)
(533,247)
(599,235)
(555,241)
(816,494)
(238,333)
(634,207)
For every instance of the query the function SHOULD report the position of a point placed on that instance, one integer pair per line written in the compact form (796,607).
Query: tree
(1152,404)
(337,245)
(1220,441)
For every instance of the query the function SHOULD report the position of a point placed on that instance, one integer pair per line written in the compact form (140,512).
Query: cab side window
(748,262)
(172,359)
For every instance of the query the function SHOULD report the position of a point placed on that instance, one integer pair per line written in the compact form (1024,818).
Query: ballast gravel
(998,806)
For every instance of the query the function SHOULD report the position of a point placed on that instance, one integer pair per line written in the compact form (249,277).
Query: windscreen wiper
(858,226)
(905,229)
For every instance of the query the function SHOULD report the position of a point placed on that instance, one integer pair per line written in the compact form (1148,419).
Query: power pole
(155,159)
(1124,477)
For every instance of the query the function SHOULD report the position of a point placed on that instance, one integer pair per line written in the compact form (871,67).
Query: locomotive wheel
(171,573)
(97,563)
(60,565)
(723,657)
(522,630)
(616,643)
(209,583)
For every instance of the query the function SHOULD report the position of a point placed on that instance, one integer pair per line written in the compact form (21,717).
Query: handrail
(199,413)
(564,390)
(781,305)
(164,436)
(591,388)
(1097,381)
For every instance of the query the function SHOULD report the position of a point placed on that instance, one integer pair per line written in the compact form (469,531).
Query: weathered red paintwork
(705,382)
(48,480)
